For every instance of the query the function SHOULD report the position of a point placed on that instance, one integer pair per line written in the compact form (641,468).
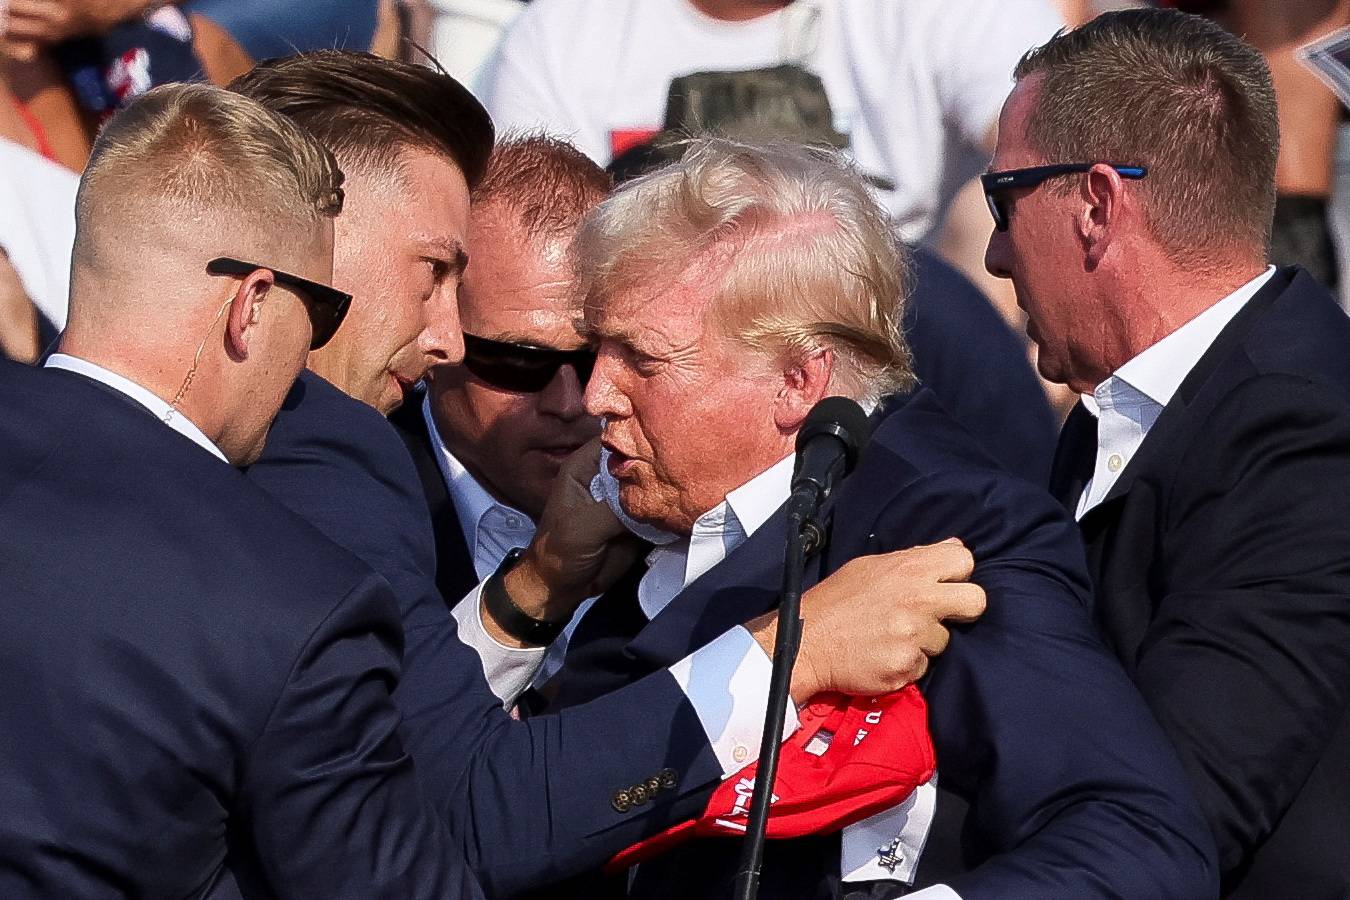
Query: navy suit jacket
(1073,790)
(1221,557)
(195,694)
(530,802)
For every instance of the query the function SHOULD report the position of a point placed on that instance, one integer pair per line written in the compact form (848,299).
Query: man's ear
(1103,195)
(805,383)
(246,311)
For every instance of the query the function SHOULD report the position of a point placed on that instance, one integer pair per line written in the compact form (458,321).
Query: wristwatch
(513,620)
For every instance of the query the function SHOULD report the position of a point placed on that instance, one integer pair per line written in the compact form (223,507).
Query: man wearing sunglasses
(197,684)
(491,434)
(1133,190)
(531,802)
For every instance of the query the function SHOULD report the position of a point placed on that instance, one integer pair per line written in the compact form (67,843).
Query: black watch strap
(513,620)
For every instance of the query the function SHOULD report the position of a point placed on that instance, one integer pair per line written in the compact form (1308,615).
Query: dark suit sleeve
(1247,660)
(329,797)
(527,802)
(530,801)
(1073,788)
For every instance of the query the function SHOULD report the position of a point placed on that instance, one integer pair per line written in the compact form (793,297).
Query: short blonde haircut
(799,255)
(201,152)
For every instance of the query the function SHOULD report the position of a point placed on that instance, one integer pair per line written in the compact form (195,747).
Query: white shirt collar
(472,501)
(1159,371)
(714,536)
(161,410)
(1128,404)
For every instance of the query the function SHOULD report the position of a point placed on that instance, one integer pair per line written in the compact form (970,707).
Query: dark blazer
(529,802)
(195,695)
(963,352)
(1073,790)
(1222,564)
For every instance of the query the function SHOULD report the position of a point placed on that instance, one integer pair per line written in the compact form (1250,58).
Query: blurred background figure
(66,65)
(69,64)
(911,90)
(1309,114)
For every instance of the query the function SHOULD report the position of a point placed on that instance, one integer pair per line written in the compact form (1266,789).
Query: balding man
(197,683)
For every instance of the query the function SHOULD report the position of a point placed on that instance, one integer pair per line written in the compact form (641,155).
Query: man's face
(518,289)
(1041,252)
(689,413)
(399,253)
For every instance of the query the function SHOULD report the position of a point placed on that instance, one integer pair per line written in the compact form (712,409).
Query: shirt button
(1114,462)
(740,753)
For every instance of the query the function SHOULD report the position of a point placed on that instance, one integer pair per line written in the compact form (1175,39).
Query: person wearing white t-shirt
(914,87)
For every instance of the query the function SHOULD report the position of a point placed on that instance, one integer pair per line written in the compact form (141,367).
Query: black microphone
(828,444)
(834,432)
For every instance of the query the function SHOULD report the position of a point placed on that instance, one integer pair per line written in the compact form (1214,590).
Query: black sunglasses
(327,306)
(995,183)
(523,368)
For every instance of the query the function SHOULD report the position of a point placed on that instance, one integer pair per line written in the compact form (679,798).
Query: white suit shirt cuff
(509,670)
(727,682)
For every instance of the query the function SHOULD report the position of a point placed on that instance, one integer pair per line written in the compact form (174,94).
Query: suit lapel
(455,574)
(744,585)
(1075,457)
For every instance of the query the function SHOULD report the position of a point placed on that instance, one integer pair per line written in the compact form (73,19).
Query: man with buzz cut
(196,682)
(529,802)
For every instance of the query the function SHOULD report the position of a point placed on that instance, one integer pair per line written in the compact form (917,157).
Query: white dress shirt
(1129,402)
(161,410)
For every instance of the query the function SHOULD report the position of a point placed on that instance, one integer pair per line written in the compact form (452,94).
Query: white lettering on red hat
(745,790)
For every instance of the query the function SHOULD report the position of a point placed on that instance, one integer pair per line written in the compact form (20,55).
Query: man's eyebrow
(447,249)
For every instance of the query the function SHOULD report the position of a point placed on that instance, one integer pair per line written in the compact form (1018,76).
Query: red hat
(851,758)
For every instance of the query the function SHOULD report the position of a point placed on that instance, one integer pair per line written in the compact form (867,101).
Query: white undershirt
(1129,402)
(151,401)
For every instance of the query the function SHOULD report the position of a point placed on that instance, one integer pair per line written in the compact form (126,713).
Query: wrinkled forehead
(651,312)
(651,288)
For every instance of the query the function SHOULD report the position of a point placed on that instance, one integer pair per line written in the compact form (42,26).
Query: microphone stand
(804,538)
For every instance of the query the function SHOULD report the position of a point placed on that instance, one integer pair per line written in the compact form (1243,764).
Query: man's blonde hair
(202,153)
(799,255)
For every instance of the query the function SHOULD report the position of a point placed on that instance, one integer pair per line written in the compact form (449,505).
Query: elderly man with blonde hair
(727,295)
(197,683)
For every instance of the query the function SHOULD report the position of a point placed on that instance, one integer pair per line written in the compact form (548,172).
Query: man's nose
(564,397)
(603,397)
(442,339)
(996,254)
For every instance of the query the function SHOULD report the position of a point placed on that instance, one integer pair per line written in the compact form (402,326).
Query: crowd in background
(598,73)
